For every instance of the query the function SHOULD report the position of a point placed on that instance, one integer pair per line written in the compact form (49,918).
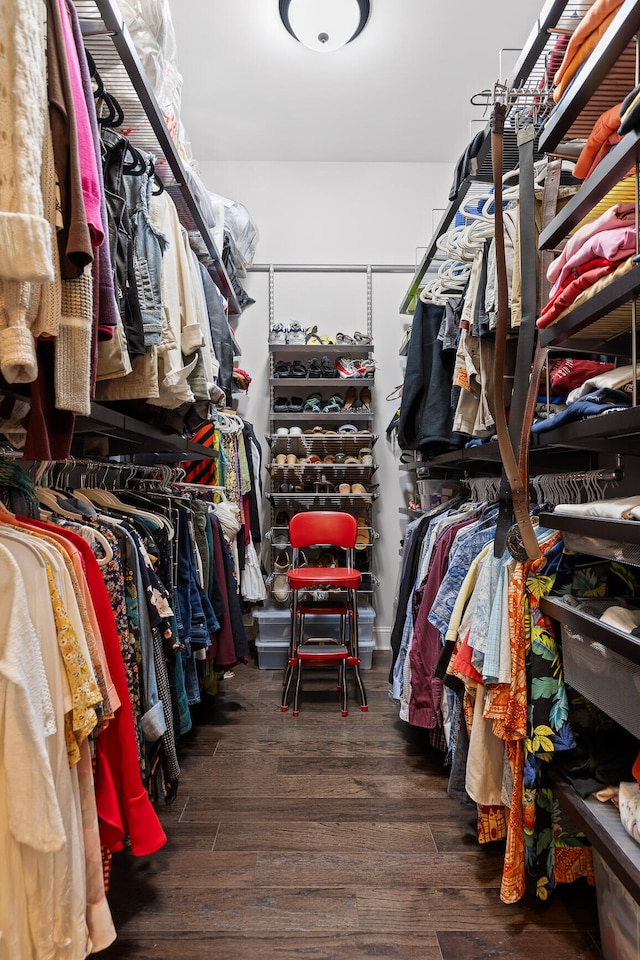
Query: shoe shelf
(305,499)
(321,435)
(345,416)
(339,472)
(342,382)
(604,80)
(603,323)
(321,349)
(318,442)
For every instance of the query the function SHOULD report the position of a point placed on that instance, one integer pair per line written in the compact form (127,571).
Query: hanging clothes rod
(331,268)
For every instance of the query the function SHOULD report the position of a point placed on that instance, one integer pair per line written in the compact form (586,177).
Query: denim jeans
(121,240)
(196,617)
(148,247)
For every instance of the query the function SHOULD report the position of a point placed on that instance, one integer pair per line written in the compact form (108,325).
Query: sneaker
(280,535)
(281,567)
(366,368)
(347,368)
(296,333)
(282,432)
(278,333)
(295,431)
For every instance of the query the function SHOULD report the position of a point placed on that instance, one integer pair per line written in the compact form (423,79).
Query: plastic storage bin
(272,654)
(619,915)
(275,625)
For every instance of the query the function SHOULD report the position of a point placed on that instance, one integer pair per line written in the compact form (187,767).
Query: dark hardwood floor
(325,838)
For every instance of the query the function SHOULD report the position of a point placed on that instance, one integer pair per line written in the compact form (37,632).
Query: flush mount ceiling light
(324,25)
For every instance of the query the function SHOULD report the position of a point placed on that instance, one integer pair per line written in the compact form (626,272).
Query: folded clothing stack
(597,250)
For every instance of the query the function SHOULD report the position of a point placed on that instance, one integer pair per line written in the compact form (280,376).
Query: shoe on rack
(363,538)
(280,535)
(282,369)
(334,404)
(295,431)
(350,398)
(365,399)
(296,333)
(278,333)
(281,567)
(347,368)
(328,368)
(314,368)
(366,368)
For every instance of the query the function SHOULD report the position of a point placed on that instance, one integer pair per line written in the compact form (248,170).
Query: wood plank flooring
(325,838)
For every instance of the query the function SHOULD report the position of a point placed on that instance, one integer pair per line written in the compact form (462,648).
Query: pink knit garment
(616,244)
(91,176)
(619,215)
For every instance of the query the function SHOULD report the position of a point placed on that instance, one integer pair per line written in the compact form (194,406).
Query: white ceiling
(399,92)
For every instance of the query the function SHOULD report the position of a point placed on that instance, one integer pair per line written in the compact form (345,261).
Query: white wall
(342,213)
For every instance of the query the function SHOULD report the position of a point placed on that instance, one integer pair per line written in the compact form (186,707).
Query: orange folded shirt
(583,41)
(606,125)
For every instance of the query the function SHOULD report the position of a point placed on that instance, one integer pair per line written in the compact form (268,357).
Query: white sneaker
(347,368)
(280,586)
(282,432)
(278,333)
(296,333)
(295,431)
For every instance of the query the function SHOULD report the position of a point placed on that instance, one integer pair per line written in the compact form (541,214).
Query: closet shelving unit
(530,65)
(107,39)
(609,70)
(322,445)
(601,821)
(604,325)
(529,71)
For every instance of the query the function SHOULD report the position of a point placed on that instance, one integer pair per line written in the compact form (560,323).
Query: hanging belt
(549,207)
(519,495)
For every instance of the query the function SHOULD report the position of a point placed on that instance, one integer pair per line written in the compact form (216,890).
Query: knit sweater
(25,239)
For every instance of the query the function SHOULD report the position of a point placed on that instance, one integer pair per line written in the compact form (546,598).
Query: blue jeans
(148,248)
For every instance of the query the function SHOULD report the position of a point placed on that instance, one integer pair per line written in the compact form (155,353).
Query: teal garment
(245,474)
(223,466)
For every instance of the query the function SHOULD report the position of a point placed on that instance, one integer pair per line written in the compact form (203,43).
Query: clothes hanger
(48,498)
(221,491)
(91,534)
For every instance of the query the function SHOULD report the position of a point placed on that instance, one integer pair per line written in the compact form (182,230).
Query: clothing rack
(330,268)
(96,472)
(572,487)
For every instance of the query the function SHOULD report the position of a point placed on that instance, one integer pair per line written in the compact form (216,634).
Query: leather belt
(519,493)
